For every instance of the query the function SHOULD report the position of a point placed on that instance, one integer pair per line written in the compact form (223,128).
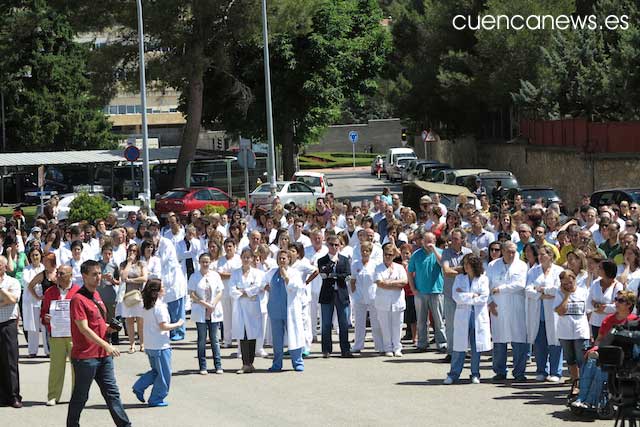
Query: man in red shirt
(91,354)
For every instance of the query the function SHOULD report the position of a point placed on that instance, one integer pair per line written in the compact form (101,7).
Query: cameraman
(91,354)
(593,378)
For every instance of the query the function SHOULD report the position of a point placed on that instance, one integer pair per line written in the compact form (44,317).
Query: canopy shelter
(412,191)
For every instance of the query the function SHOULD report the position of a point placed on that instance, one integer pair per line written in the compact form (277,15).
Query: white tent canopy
(81,157)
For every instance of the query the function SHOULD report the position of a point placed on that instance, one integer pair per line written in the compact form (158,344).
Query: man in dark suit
(336,273)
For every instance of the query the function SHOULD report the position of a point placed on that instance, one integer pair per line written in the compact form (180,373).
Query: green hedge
(333,160)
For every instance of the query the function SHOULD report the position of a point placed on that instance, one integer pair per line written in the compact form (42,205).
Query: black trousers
(248,350)
(9,377)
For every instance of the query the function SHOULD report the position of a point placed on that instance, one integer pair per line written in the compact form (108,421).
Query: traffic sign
(424,135)
(132,153)
(430,137)
(247,156)
(353,136)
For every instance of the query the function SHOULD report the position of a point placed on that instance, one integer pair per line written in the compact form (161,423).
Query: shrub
(211,209)
(87,207)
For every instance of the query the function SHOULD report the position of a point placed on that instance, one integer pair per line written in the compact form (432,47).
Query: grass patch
(315,160)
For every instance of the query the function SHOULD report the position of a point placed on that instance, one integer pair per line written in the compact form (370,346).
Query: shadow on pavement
(126,406)
(430,382)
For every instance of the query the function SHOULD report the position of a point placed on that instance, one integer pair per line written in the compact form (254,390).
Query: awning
(82,157)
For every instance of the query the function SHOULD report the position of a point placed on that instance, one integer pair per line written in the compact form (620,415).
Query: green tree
(44,79)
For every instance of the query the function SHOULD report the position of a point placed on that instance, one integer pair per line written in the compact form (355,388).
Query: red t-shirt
(83,308)
(610,321)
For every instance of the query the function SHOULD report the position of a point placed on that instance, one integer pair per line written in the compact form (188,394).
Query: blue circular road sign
(132,153)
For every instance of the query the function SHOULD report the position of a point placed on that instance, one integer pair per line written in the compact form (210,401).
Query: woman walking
(133,274)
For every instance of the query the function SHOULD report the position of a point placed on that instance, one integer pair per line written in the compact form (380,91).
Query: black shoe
(521,379)
(447,358)
(347,355)
(16,404)
(499,377)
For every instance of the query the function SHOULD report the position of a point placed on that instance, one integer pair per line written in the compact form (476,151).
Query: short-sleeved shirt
(428,274)
(573,325)
(82,308)
(154,337)
(452,259)
(108,292)
(11,286)
(207,288)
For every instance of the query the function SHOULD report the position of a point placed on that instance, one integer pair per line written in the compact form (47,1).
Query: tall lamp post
(271,160)
(143,102)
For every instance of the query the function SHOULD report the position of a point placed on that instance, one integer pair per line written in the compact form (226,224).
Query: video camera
(620,357)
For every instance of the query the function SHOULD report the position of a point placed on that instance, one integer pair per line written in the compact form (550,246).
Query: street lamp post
(143,102)
(271,161)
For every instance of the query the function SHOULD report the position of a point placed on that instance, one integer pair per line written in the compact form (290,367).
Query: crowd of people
(477,278)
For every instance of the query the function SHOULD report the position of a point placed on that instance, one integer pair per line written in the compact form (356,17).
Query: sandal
(131,350)
(142,348)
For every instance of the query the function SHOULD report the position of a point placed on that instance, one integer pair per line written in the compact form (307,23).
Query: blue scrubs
(277,309)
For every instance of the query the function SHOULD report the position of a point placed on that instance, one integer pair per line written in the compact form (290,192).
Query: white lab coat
(551,283)
(174,282)
(31,305)
(510,325)
(183,253)
(247,315)
(296,289)
(464,300)
(390,299)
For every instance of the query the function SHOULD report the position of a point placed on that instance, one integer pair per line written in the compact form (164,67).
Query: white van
(393,154)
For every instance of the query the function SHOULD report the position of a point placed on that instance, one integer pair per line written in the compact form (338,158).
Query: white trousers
(265,337)
(360,315)
(306,322)
(391,325)
(33,340)
(314,310)
(227,315)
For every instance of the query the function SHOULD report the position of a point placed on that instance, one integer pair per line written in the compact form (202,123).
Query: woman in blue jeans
(206,289)
(158,348)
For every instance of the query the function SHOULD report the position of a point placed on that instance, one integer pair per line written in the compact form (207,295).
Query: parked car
(316,180)
(395,172)
(615,196)
(373,166)
(184,200)
(288,191)
(531,193)
(456,176)
(410,172)
(393,154)
(121,210)
(489,181)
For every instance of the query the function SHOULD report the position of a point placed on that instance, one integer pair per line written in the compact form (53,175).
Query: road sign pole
(353,149)
(133,182)
(245,153)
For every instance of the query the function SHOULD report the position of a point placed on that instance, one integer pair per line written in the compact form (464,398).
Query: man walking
(91,354)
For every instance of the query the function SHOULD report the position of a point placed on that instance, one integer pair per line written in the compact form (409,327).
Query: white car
(121,210)
(316,180)
(288,191)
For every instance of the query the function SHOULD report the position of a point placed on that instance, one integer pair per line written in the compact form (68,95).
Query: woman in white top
(602,294)
(390,279)
(133,275)
(215,252)
(247,286)
(471,320)
(151,261)
(32,299)
(206,289)
(226,264)
(630,276)
(572,328)
(75,262)
(363,289)
(156,331)
(543,281)
(577,262)
(308,272)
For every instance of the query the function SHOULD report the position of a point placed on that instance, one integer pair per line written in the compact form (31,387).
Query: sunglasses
(495,249)
(620,300)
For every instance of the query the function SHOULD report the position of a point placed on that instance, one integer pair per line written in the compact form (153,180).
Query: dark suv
(615,196)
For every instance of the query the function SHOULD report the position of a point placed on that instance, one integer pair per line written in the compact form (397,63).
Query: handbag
(132,298)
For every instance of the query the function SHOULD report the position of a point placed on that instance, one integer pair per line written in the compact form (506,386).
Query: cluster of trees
(332,61)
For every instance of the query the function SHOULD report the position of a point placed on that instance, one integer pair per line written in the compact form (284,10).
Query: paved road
(367,391)
(357,184)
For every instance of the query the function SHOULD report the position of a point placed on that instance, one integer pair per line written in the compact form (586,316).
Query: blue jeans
(278,327)
(592,380)
(101,370)
(519,350)
(545,352)
(457,357)
(159,376)
(343,326)
(202,329)
(176,312)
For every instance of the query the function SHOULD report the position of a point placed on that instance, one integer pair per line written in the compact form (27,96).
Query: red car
(184,200)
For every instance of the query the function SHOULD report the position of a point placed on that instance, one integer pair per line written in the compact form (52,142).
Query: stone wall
(381,134)
(571,172)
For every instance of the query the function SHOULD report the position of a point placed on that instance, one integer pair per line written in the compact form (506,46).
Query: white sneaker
(541,377)
(388,354)
(262,353)
(475,380)
(204,372)
(553,379)
(448,381)
(219,371)
(398,353)
(51,402)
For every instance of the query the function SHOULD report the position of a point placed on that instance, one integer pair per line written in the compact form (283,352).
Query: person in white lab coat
(313,253)
(247,283)
(391,279)
(226,264)
(363,289)
(471,327)
(507,280)
(206,289)
(308,272)
(286,292)
(543,281)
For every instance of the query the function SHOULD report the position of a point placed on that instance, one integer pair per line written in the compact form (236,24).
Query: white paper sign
(60,318)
